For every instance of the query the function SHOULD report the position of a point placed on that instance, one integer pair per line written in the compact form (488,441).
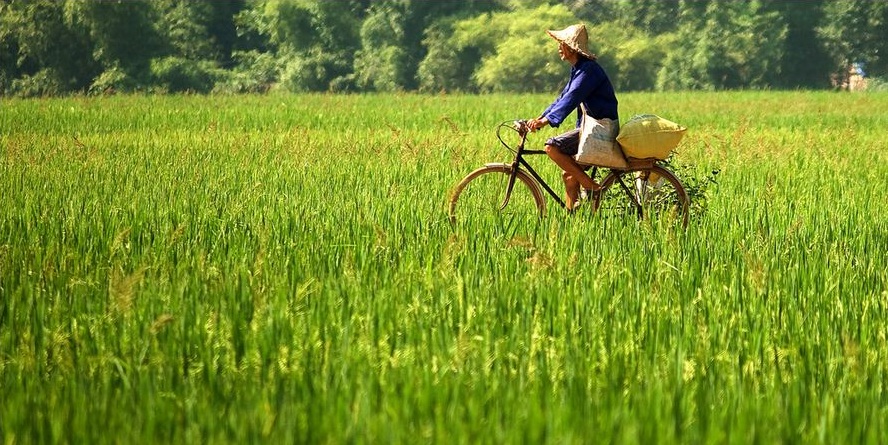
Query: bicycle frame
(519,161)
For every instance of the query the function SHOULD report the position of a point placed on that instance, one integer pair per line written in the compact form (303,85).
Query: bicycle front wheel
(483,197)
(652,193)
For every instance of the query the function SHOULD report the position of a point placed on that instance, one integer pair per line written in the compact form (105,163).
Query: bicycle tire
(652,193)
(482,192)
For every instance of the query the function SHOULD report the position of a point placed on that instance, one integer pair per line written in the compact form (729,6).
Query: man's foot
(573,209)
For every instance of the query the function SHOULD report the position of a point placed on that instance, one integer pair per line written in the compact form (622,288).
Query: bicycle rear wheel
(652,193)
(481,197)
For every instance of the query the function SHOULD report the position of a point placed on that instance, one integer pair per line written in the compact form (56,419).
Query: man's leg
(570,167)
(571,190)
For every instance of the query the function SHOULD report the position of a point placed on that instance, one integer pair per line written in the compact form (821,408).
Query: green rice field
(282,269)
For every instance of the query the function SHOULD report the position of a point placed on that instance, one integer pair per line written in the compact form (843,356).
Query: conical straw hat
(575,37)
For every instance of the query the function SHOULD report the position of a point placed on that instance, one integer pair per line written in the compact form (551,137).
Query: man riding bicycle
(588,84)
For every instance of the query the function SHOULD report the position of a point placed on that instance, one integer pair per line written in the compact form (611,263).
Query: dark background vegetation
(56,47)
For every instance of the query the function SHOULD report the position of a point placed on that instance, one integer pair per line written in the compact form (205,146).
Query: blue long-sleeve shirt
(590,85)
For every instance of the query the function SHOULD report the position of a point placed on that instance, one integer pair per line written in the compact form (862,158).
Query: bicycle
(648,189)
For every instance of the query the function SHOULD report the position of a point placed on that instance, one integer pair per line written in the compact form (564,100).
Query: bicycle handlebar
(519,126)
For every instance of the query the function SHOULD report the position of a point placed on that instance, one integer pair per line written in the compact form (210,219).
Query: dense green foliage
(280,268)
(51,47)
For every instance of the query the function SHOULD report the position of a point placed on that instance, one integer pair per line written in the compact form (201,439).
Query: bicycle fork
(511,185)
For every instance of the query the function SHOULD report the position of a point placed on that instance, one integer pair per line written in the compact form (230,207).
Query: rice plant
(282,268)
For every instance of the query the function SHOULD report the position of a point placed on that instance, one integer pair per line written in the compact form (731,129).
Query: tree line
(54,47)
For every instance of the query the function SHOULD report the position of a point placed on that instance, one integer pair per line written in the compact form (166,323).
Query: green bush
(639,60)
(45,82)
(877,84)
(254,72)
(177,74)
(314,70)
(446,66)
(113,80)
(514,51)
(381,69)
(697,181)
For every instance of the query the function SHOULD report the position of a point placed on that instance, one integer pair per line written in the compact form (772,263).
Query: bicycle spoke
(655,195)
(482,199)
